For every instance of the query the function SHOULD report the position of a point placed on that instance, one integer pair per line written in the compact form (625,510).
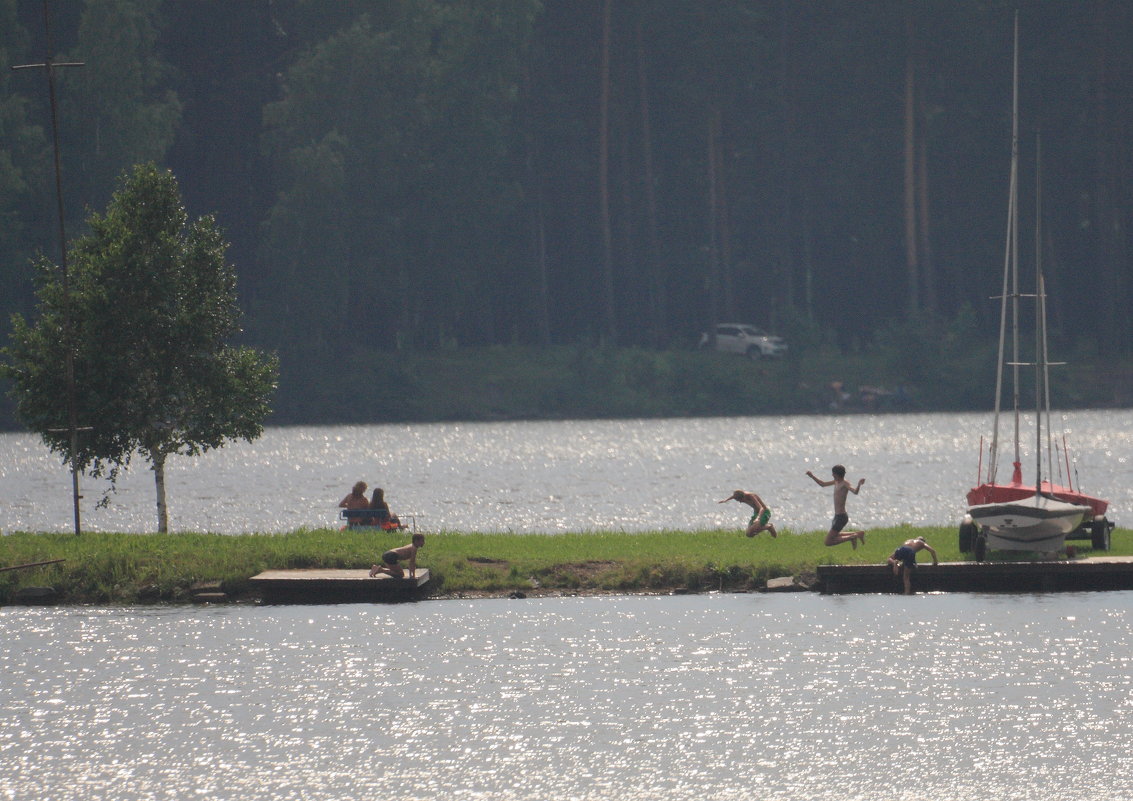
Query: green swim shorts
(760,517)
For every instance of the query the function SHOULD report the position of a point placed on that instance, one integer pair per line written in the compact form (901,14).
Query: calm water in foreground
(948,697)
(550,477)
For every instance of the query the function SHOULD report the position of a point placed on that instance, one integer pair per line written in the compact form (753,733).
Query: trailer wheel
(1100,534)
(980,547)
(967,536)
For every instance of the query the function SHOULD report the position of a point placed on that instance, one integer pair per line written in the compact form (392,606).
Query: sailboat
(1019,516)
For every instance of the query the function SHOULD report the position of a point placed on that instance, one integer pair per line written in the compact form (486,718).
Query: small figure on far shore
(761,513)
(904,560)
(842,488)
(355,500)
(391,559)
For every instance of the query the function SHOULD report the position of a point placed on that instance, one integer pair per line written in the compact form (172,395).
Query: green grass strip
(110,568)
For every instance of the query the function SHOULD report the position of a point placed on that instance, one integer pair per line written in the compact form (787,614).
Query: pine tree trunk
(537,224)
(924,239)
(1110,195)
(657,266)
(609,316)
(911,265)
(714,282)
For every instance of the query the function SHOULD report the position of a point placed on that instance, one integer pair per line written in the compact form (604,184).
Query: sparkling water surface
(550,477)
(948,697)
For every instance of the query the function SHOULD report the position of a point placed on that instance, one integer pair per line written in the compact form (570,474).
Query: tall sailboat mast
(1010,289)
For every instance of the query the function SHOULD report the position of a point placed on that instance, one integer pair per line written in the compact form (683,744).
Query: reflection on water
(726,696)
(550,477)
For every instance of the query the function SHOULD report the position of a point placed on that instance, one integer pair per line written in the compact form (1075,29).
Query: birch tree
(152,307)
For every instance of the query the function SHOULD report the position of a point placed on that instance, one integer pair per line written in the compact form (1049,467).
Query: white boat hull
(1037,523)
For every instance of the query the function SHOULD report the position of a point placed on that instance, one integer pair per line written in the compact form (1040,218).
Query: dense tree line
(425,173)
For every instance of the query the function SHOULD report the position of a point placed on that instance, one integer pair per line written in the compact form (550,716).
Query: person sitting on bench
(382,515)
(355,500)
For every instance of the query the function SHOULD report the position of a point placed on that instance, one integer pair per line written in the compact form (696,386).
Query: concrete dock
(337,586)
(1078,575)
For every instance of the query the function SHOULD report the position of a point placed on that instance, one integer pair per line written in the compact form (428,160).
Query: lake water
(551,477)
(926,698)
(923,698)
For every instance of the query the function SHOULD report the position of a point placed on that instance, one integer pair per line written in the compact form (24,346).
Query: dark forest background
(415,176)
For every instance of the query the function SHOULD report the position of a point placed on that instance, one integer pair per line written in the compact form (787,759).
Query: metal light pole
(49,66)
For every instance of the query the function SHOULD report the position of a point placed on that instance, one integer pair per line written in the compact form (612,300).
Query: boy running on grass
(761,513)
(842,488)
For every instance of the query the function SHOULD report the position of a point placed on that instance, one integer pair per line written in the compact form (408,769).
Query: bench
(359,518)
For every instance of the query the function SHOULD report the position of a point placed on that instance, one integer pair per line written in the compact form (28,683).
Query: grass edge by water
(123,569)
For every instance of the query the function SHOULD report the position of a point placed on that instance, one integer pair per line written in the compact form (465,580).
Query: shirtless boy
(391,559)
(761,514)
(842,487)
(904,560)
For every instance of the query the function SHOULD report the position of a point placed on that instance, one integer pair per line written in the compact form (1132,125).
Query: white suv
(746,339)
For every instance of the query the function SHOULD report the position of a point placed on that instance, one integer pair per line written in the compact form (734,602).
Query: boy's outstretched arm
(819,481)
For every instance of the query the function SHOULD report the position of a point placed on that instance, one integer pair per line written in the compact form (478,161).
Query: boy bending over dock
(904,560)
(391,559)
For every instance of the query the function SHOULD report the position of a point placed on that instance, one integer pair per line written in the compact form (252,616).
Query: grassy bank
(151,568)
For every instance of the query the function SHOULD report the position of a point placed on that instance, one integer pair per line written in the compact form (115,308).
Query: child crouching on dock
(391,559)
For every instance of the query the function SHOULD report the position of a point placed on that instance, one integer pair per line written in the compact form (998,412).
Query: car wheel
(754,353)
(968,533)
(1099,535)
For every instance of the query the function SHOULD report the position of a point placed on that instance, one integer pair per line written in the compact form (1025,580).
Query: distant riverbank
(153,568)
(583,382)
(594,382)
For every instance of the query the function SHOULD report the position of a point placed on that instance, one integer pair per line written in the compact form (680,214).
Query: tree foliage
(122,108)
(391,144)
(25,163)
(152,308)
(436,172)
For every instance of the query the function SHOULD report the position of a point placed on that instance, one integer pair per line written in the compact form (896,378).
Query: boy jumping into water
(904,560)
(761,514)
(391,559)
(842,488)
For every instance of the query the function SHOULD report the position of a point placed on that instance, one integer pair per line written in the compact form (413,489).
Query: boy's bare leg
(755,528)
(838,537)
